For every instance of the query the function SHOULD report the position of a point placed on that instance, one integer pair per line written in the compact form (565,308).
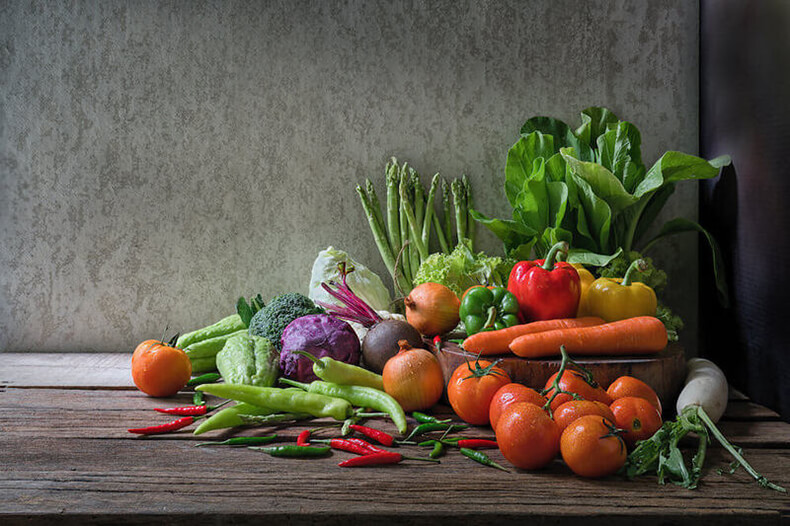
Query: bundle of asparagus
(404,240)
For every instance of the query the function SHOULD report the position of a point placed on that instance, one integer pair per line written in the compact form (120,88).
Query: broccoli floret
(271,321)
(671,321)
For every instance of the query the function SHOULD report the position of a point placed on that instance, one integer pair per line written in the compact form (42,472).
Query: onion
(414,378)
(432,309)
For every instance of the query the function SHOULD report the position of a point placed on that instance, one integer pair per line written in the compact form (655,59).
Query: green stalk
(459,198)
(419,199)
(381,239)
(415,231)
(628,242)
(470,222)
(376,206)
(440,234)
(429,212)
(638,265)
(393,224)
(403,223)
(447,218)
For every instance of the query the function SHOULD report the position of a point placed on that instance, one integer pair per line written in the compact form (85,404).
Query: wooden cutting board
(665,372)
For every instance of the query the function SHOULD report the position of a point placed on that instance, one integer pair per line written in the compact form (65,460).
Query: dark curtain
(745,112)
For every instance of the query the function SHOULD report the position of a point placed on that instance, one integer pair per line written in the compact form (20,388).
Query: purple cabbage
(320,335)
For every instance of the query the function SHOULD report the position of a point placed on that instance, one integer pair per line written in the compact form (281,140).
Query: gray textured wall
(159,159)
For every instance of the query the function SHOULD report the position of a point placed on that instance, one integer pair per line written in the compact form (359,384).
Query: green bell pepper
(484,309)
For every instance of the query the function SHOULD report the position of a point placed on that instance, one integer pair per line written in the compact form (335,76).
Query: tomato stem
(555,386)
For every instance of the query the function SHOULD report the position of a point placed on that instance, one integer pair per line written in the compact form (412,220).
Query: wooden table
(67,458)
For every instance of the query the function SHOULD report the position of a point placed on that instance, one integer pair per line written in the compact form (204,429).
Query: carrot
(496,342)
(640,335)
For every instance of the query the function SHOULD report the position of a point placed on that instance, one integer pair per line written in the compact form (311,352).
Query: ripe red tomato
(630,386)
(575,382)
(573,409)
(637,416)
(527,437)
(471,389)
(511,394)
(591,447)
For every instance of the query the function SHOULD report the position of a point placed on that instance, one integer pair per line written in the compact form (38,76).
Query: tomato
(637,416)
(591,447)
(158,369)
(511,394)
(471,389)
(527,437)
(575,382)
(573,409)
(630,386)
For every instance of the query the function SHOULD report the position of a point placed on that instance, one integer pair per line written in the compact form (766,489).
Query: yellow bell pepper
(616,299)
(585,280)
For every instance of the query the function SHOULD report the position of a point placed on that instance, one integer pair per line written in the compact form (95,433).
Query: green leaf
(678,166)
(595,122)
(531,203)
(656,202)
(520,161)
(597,213)
(603,182)
(619,150)
(556,168)
(563,135)
(585,257)
(679,225)
(512,233)
(244,311)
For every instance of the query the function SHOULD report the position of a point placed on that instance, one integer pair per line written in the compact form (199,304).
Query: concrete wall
(159,159)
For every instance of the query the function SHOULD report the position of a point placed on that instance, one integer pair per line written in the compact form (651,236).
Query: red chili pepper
(304,438)
(437,342)
(379,436)
(175,425)
(190,410)
(351,445)
(367,445)
(546,290)
(477,443)
(377,459)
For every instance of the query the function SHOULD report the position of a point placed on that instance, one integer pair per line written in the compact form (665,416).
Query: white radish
(706,387)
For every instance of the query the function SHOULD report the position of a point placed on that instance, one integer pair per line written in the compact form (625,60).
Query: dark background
(744,112)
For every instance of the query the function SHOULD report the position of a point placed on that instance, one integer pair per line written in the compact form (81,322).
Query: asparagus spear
(429,212)
(403,224)
(448,221)
(470,222)
(393,223)
(415,231)
(378,234)
(419,199)
(376,206)
(459,200)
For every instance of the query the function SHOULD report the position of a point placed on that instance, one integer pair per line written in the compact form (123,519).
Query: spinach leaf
(520,161)
(603,182)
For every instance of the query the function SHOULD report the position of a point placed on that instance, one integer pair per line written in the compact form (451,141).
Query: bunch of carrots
(581,336)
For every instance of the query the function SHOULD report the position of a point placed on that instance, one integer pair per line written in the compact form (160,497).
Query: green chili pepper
(291,451)
(241,441)
(273,419)
(358,396)
(484,309)
(428,419)
(229,417)
(482,458)
(197,398)
(282,400)
(341,373)
(438,450)
(435,426)
(208,378)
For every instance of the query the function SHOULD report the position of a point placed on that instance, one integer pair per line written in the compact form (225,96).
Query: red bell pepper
(546,289)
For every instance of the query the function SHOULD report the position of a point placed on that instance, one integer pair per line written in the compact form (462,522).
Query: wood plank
(70,370)
(103,479)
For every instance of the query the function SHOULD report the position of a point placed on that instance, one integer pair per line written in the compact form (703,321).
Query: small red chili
(175,425)
(437,342)
(477,443)
(367,445)
(190,410)
(304,438)
(349,444)
(377,459)
(379,436)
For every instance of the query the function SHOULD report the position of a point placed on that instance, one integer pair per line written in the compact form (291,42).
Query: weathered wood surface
(665,372)
(68,459)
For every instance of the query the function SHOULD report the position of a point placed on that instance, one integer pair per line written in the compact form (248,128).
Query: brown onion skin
(414,378)
(432,309)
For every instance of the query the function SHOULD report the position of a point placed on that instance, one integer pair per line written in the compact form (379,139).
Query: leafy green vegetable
(651,276)
(589,187)
(462,268)
(363,282)
(660,454)
(247,310)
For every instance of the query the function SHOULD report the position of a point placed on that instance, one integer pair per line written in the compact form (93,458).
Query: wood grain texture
(665,372)
(68,459)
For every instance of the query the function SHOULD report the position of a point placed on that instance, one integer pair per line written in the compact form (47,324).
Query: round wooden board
(665,372)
